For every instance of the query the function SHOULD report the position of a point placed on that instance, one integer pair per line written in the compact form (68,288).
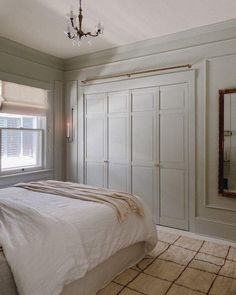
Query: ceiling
(39,24)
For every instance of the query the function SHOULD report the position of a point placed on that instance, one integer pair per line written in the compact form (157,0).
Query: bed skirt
(92,282)
(7,283)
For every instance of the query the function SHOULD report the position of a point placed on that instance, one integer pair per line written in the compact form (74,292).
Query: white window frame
(26,168)
(47,136)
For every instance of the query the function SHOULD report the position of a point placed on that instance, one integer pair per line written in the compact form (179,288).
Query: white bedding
(50,241)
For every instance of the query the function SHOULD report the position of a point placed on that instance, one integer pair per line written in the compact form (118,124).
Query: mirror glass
(227,150)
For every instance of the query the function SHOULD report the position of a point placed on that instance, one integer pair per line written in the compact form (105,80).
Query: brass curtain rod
(137,73)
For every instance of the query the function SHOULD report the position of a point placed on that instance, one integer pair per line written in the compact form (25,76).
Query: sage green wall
(19,64)
(212,52)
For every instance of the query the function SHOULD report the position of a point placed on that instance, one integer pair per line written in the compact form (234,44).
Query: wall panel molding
(205,194)
(215,228)
(212,206)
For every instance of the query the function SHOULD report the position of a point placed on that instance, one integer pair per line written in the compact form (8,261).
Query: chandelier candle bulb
(68,27)
(68,130)
(99,28)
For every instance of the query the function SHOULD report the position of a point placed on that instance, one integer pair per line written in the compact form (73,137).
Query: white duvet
(50,241)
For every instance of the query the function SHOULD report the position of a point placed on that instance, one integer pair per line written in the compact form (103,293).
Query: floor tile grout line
(184,270)
(157,277)
(213,255)
(125,286)
(195,290)
(162,259)
(155,258)
(231,260)
(185,266)
(209,262)
(177,284)
(186,248)
(224,276)
(203,270)
(136,291)
(200,251)
(195,236)
(218,273)
(197,259)
(142,270)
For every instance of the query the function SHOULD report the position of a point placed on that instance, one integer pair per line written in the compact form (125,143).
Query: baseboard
(196,236)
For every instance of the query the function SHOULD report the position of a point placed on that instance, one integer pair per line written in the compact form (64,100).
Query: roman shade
(22,99)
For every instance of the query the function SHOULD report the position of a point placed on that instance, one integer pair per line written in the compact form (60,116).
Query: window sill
(10,179)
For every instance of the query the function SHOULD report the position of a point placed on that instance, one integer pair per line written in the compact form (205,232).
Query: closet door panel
(172,97)
(172,135)
(118,177)
(95,104)
(172,186)
(95,140)
(95,174)
(118,102)
(143,122)
(173,160)
(143,184)
(142,137)
(118,141)
(118,138)
(143,99)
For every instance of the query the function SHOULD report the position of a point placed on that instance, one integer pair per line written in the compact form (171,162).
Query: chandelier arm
(70,36)
(72,22)
(92,35)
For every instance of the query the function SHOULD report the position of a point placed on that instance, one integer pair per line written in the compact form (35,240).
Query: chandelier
(74,27)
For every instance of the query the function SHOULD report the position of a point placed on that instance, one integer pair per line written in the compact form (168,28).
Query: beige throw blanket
(123,203)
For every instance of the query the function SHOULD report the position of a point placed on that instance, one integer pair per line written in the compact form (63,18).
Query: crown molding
(16,49)
(191,38)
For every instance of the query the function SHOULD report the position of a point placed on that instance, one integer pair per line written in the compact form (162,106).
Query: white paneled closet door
(140,137)
(107,140)
(95,140)
(118,141)
(143,122)
(173,156)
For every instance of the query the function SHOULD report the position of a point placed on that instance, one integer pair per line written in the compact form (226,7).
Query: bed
(56,245)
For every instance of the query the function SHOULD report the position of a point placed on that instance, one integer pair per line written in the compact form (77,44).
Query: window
(23,121)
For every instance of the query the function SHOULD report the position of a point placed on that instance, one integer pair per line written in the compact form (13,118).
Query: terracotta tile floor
(180,265)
